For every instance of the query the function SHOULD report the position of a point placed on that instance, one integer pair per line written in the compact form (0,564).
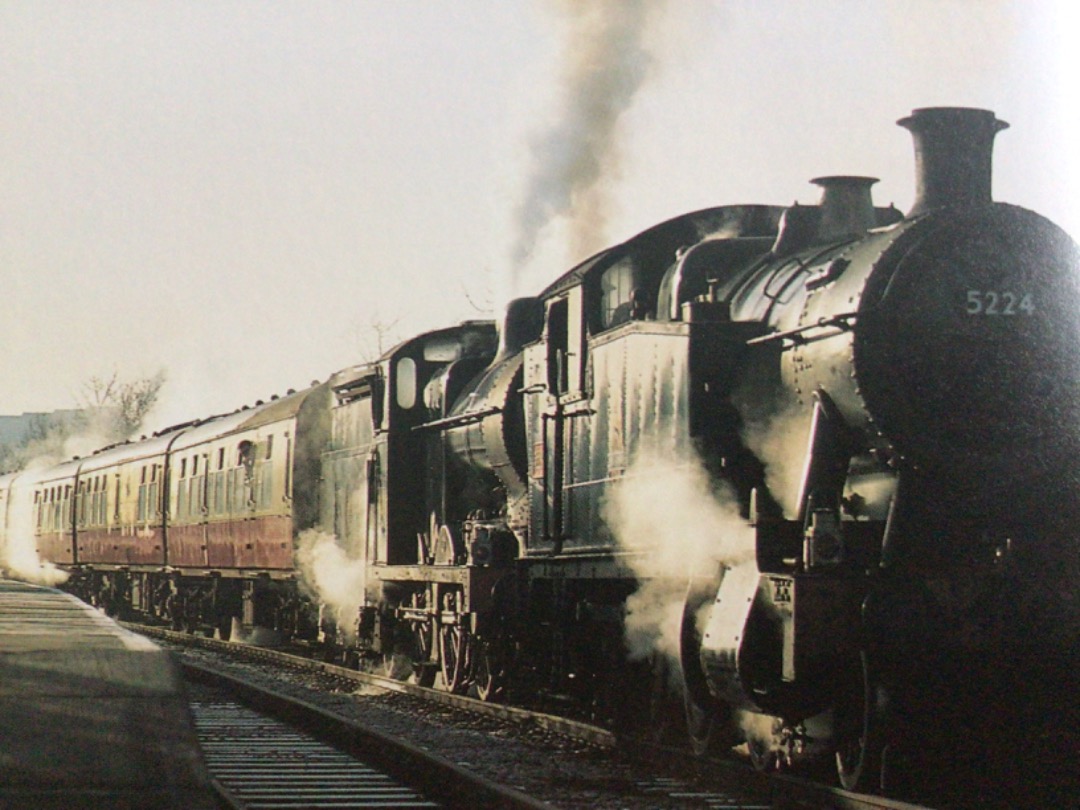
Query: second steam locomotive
(818,462)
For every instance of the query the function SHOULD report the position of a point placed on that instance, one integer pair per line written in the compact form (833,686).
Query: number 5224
(992,302)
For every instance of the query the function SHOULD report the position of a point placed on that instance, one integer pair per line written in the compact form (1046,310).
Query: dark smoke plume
(605,64)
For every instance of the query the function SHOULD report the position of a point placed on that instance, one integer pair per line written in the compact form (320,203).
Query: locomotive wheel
(859,730)
(487,679)
(425,672)
(453,657)
(410,658)
(224,627)
(703,727)
(425,675)
(708,722)
(422,645)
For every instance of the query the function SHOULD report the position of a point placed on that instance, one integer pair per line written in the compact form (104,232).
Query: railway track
(268,751)
(736,787)
(259,762)
(574,729)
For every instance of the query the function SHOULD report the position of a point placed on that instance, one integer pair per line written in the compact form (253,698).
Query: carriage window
(567,346)
(406,383)
(623,296)
(615,287)
(442,350)
(288,466)
(557,346)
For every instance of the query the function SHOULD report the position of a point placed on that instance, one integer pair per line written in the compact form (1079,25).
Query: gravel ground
(562,772)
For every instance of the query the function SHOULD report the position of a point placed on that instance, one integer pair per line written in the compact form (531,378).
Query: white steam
(780,443)
(605,64)
(334,578)
(20,558)
(18,552)
(689,527)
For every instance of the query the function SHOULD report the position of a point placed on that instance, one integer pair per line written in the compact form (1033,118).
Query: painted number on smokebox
(992,302)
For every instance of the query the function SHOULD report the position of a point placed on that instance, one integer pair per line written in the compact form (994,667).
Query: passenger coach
(196,521)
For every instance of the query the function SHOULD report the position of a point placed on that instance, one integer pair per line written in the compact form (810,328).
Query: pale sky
(243,193)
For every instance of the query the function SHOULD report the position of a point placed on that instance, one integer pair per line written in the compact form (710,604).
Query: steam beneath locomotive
(332,577)
(690,524)
(779,441)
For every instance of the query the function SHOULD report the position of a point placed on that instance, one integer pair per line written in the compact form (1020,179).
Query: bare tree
(482,296)
(133,402)
(99,392)
(117,408)
(375,338)
(111,410)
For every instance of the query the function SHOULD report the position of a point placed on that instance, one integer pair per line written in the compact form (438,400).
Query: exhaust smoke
(605,65)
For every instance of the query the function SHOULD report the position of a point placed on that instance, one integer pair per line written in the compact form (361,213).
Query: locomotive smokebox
(954,149)
(486,426)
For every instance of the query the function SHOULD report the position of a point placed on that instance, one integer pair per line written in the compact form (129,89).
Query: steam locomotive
(821,462)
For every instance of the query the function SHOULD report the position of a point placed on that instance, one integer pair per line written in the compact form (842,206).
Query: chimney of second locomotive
(522,323)
(847,209)
(954,149)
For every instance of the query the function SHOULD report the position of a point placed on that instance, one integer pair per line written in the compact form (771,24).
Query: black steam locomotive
(820,462)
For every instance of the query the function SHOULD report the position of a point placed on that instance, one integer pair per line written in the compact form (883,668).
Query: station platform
(91,715)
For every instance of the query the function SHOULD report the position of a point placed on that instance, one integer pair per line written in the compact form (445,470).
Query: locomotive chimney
(523,321)
(847,209)
(954,149)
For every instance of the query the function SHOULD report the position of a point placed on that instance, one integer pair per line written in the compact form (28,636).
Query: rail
(785,792)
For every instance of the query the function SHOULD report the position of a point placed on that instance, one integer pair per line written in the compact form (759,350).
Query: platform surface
(91,715)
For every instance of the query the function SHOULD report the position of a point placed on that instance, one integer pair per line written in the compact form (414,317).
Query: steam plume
(606,63)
